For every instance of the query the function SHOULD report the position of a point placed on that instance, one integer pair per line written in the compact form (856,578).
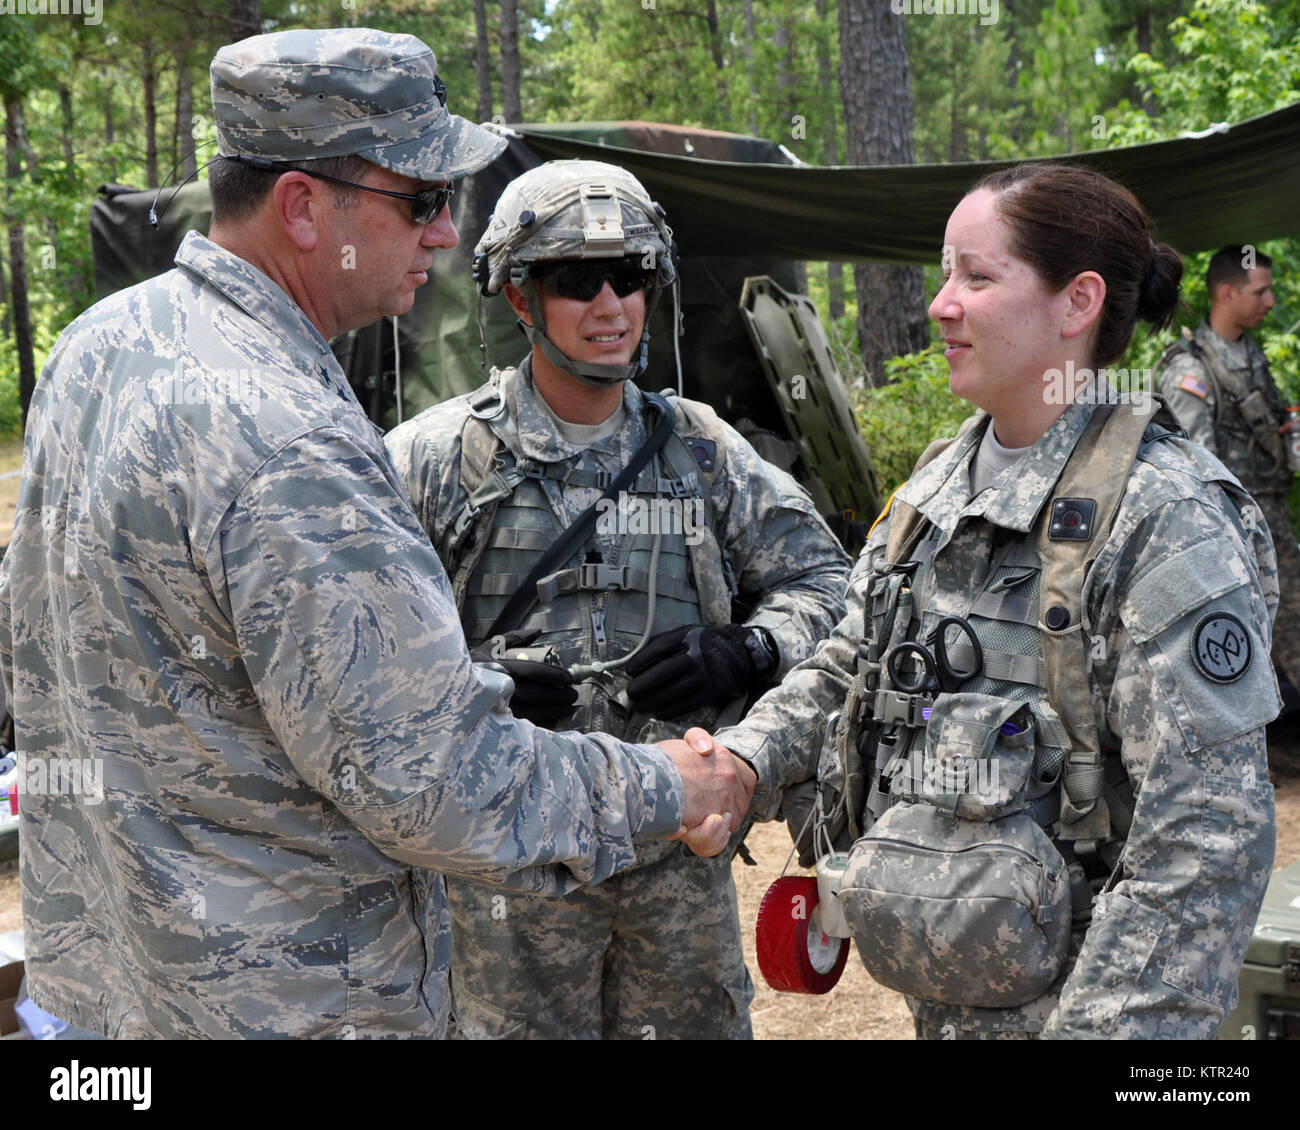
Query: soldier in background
(1218,383)
(221,621)
(708,576)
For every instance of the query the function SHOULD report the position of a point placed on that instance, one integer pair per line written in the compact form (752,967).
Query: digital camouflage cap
(299,95)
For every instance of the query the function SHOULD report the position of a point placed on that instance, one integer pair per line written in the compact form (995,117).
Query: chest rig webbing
(595,606)
(1030,620)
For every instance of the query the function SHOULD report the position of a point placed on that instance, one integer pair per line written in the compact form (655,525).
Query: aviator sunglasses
(582,279)
(425,204)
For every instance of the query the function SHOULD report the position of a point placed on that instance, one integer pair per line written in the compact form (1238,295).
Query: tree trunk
(830,146)
(149,82)
(510,100)
(65,104)
(185,119)
(719,62)
(482,61)
(715,35)
(6,324)
(876,89)
(1145,43)
(751,34)
(783,40)
(109,131)
(22,316)
(244,18)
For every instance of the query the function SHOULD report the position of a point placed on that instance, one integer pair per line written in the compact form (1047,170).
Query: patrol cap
(300,95)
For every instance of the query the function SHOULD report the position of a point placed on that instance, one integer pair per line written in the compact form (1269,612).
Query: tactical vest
(984,820)
(1248,410)
(595,606)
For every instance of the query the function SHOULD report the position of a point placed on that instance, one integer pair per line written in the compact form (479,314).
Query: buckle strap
(498,485)
(597,577)
(569,476)
(892,708)
(685,486)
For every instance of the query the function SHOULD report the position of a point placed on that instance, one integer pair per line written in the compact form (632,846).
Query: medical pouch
(959,911)
(976,760)
(957,894)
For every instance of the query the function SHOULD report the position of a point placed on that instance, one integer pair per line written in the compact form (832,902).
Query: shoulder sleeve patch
(704,450)
(1194,386)
(1221,647)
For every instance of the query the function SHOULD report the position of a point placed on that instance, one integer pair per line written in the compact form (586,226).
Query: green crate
(1268,1005)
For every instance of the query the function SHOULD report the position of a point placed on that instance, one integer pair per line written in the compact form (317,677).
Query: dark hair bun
(1158,298)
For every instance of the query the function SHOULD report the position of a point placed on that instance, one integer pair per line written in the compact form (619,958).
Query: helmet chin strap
(590,373)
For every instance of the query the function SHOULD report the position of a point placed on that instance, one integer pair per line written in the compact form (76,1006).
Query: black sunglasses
(425,204)
(582,279)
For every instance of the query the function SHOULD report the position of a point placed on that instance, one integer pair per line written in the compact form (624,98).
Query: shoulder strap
(715,579)
(1109,442)
(487,481)
(1221,377)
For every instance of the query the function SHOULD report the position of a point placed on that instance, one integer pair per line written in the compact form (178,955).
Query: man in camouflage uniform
(1158,956)
(643,604)
(219,610)
(1241,419)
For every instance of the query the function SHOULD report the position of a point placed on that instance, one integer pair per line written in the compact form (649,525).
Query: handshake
(718,790)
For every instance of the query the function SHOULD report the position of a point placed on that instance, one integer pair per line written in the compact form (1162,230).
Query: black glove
(687,668)
(544,693)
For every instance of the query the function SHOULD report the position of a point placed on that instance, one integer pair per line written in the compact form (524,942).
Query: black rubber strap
(579,533)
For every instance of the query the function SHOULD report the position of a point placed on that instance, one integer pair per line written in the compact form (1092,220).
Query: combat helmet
(567,210)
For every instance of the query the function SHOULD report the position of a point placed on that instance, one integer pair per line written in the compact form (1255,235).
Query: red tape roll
(794,955)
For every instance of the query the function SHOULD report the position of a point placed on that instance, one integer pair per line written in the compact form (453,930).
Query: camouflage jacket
(219,603)
(788,567)
(1187,386)
(1161,955)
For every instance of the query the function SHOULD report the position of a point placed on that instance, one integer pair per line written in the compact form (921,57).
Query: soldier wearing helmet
(636,568)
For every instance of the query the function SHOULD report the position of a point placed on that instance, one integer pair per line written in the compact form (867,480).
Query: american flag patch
(1195,387)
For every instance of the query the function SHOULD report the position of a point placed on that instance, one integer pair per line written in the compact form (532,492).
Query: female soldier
(1050,756)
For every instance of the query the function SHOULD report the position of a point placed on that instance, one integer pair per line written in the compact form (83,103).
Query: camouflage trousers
(651,953)
(1286,628)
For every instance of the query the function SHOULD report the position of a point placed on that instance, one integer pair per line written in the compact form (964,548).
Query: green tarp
(1240,183)
(736,210)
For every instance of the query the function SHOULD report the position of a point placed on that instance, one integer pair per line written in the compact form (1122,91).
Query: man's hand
(718,790)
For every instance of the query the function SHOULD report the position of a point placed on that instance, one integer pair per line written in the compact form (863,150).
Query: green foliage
(900,419)
(1035,82)
(1233,62)
(1062,83)
(964,105)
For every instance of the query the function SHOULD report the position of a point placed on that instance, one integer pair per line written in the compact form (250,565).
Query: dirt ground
(857,1008)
